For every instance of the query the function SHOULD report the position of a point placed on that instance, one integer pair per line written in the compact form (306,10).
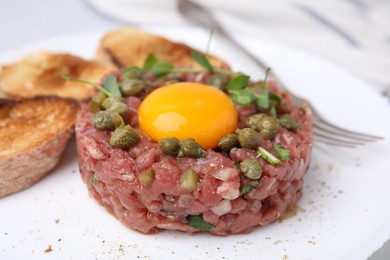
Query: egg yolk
(188,110)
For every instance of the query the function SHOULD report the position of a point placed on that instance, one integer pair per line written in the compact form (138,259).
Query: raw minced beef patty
(218,202)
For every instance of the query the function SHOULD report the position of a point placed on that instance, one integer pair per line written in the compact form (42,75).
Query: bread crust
(38,74)
(33,135)
(129,46)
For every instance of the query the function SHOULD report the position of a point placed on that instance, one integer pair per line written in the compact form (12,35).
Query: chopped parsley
(199,223)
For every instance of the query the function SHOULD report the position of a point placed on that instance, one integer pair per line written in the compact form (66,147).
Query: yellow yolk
(188,110)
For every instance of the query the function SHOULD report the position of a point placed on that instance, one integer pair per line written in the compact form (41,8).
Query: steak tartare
(227,189)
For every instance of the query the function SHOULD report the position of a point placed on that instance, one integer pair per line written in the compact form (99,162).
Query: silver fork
(324,131)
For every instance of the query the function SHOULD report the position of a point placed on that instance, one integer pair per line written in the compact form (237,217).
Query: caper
(251,168)
(146,177)
(228,142)
(218,80)
(132,87)
(118,120)
(104,120)
(188,181)
(248,138)
(95,105)
(288,122)
(132,73)
(253,120)
(110,101)
(99,98)
(268,127)
(190,148)
(170,146)
(121,108)
(124,137)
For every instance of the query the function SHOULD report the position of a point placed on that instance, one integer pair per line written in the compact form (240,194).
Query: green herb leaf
(203,61)
(263,85)
(161,69)
(149,62)
(283,153)
(269,157)
(274,97)
(247,188)
(209,40)
(93,178)
(272,110)
(111,85)
(262,99)
(198,222)
(100,87)
(238,82)
(242,97)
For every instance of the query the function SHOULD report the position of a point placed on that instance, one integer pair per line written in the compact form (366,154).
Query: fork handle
(223,33)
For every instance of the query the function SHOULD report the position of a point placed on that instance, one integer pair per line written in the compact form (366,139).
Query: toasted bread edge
(23,170)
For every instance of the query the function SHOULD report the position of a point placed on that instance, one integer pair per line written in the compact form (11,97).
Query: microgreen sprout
(269,157)
(110,86)
(283,153)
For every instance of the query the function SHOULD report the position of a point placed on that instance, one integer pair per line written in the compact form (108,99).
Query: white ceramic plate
(345,210)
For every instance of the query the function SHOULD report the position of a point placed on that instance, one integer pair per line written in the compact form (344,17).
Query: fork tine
(325,125)
(320,139)
(329,129)
(326,130)
(325,135)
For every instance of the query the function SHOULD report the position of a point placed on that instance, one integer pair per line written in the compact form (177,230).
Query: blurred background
(354,34)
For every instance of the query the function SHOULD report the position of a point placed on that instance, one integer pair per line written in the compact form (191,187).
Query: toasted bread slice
(37,74)
(33,134)
(130,47)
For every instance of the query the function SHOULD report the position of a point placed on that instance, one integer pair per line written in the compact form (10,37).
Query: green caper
(228,142)
(104,120)
(251,168)
(124,137)
(95,105)
(146,177)
(121,108)
(99,98)
(286,121)
(118,121)
(110,101)
(132,87)
(190,148)
(188,181)
(170,146)
(132,73)
(268,127)
(253,120)
(248,138)
(218,80)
